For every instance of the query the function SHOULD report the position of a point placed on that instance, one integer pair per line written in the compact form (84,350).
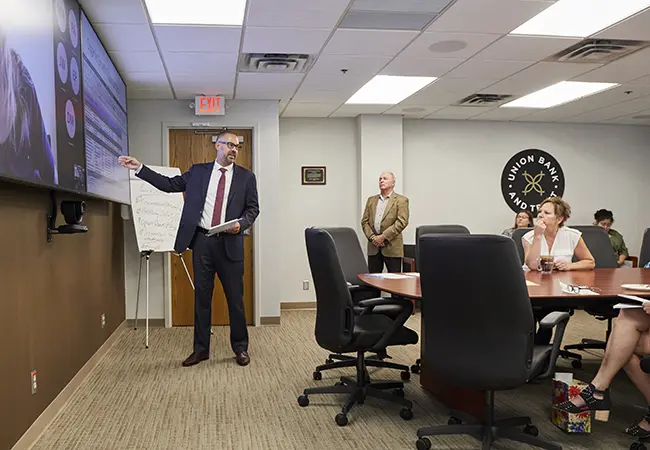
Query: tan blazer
(393,222)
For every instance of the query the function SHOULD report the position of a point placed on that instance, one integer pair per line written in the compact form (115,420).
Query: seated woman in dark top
(604,219)
(25,150)
(523,219)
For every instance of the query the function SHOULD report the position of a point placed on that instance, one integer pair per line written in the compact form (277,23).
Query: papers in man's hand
(222,227)
(577,290)
(640,301)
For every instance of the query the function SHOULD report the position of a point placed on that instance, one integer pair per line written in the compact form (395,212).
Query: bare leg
(623,342)
(640,379)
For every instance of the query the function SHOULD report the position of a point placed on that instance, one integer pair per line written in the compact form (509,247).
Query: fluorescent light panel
(558,94)
(196,12)
(580,18)
(388,90)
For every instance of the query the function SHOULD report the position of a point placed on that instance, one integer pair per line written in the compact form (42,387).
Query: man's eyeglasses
(230,145)
(575,288)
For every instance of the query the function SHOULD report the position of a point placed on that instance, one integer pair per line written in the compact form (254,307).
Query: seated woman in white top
(552,237)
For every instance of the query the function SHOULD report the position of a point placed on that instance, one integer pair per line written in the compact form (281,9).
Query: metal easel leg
(147,333)
(137,298)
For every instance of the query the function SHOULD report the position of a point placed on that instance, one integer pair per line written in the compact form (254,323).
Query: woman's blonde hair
(562,208)
(10,98)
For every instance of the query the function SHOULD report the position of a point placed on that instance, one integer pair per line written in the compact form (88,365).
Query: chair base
(486,431)
(350,361)
(359,389)
(587,344)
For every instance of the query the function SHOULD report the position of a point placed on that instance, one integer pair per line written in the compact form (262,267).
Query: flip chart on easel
(156,214)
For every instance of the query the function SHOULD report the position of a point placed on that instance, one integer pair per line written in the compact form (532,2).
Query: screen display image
(105,120)
(28,120)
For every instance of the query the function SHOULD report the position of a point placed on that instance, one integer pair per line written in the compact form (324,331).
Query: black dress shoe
(242,358)
(195,358)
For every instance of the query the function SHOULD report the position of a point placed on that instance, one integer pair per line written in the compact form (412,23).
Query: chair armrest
(372,302)
(634,259)
(559,321)
(409,264)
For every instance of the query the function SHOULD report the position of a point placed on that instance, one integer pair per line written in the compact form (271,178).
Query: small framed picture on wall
(313,175)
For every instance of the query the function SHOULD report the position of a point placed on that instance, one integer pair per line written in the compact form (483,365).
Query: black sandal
(600,405)
(638,432)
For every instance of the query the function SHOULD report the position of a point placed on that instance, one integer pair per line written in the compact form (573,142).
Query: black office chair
(644,256)
(353,262)
(645,366)
(599,245)
(481,334)
(517,235)
(340,330)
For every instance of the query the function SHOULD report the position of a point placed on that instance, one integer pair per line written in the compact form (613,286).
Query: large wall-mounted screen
(63,119)
(105,120)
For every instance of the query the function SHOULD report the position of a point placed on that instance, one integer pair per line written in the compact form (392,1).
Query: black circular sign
(529,177)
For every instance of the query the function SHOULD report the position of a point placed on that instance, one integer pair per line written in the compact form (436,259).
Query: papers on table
(392,276)
(581,291)
(640,301)
(530,283)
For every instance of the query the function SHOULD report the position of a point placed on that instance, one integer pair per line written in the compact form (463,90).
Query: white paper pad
(222,227)
(633,305)
(390,276)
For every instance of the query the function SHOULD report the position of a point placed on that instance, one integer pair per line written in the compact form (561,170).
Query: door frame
(167,266)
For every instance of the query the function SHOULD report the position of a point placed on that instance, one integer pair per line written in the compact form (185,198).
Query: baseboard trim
(297,305)
(34,432)
(153,323)
(270,320)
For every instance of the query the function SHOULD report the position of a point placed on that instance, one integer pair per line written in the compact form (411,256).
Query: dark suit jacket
(242,202)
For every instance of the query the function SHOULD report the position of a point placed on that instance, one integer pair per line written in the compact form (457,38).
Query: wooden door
(187,147)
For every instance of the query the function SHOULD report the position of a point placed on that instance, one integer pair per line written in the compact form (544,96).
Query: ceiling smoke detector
(275,63)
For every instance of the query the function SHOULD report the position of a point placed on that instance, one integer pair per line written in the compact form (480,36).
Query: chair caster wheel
(406,414)
(303,400)
(339,383)
(329,361)
(454,421)
(415,368)
(405,375)
(531,430)
(576,364)
(398,392)
(637,446)
(341,419)
(318,376)
(423,444)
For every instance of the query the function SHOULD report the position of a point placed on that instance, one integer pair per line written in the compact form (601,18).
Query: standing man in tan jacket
(385,217)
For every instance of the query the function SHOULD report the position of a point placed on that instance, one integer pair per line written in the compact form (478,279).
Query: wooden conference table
(543,290)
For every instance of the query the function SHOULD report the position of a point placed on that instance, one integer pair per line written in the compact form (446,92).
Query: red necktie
(221,187)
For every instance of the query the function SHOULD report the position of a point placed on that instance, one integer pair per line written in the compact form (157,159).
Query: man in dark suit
(215,193)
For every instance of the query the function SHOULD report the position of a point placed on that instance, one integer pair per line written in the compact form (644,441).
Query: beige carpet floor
(144,399)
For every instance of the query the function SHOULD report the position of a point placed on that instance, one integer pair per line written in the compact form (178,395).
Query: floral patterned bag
(565,388)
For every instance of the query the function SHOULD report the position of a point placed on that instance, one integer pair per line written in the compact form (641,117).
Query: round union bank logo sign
(529,177)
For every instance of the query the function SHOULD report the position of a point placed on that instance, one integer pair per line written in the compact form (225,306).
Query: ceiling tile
(644,81)
(114,11)
(323,96)
(284,40)
(525,48)
(146,80)
(214,63)
(189,93)
(502,114)
(126,37)
(331,82)
(636,27)
(355,65)
(488,16)
(494,70)
(412,111)
(149,94)
(267,86)
(632,119)
(448,45)
(457,112)
(611,112)
(446,91)
(203,83)
(622,70)
(295,13)
(355,110)
(298,109)
(368,42)
(421,67)
(137,61)
(173,38)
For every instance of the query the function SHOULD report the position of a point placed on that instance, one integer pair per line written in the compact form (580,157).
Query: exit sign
(209,105)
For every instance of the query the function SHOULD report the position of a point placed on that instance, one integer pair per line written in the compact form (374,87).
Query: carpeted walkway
(144,399)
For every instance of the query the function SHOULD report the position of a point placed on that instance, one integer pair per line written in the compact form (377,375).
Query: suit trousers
(376,263)
(209,258)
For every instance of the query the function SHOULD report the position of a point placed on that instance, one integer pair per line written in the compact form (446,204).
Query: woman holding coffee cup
(551,244)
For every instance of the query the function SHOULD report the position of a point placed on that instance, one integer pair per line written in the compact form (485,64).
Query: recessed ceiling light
(557,94)
(196,12)
(388,90)
(580,18)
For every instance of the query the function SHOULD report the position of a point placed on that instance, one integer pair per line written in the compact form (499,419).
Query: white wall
(314,142)
(147,121)
(452,172)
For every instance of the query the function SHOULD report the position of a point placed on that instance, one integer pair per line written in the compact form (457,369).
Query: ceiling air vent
(484,99)
(598,51)
(275,63)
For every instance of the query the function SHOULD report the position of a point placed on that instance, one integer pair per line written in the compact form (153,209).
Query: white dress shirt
(381,207)
(564,245)
(211,195)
